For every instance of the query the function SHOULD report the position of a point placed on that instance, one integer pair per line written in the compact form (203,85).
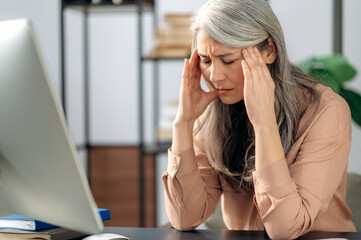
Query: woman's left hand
(259,89)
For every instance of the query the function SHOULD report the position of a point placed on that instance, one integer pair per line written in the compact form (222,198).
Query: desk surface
(211,234)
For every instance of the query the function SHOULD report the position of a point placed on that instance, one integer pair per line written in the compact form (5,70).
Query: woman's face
(222,68)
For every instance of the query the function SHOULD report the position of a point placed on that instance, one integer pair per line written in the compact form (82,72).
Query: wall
(352,50)
(46,30)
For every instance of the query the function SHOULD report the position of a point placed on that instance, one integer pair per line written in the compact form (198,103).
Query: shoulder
(332,116)
(333,105)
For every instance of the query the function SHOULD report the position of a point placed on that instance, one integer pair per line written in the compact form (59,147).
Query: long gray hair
(240,24)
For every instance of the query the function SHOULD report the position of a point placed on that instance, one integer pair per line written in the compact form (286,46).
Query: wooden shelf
(150,149)
(156,148)
(146,58)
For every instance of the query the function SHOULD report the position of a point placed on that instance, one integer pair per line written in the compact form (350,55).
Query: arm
(290,198)
(259,93)
(193,101)
(191,188)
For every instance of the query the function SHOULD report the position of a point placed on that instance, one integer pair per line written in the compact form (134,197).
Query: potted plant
(334,71)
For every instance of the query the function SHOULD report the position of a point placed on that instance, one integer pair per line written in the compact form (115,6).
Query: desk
(212,234)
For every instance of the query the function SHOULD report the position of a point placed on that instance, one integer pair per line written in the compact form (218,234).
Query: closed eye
(230,62)
(206,61)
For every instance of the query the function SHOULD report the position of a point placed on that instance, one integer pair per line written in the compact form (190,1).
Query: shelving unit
(147,152)
(87,8)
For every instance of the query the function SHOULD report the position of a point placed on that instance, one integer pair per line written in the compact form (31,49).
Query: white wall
(45,16)
(307,30)
(113,78)
(352,50)
(74,74)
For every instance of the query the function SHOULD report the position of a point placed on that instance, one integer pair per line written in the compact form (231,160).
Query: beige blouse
(304,192)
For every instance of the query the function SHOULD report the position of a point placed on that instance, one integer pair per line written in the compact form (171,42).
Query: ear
(270,54)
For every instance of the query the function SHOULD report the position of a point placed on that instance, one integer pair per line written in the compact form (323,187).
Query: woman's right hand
(193,99)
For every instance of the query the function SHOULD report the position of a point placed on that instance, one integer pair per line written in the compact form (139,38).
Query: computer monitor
(40,174)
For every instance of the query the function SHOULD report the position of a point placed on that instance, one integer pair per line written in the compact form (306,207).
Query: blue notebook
(26,223)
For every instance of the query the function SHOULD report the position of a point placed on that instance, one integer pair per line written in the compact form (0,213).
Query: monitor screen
(40,172)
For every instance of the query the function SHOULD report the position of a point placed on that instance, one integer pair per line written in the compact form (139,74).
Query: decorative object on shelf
(165,125)
(334,71)
(174,40)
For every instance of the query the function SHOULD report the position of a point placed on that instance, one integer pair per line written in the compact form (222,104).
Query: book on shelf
(25,223)
(175,39)
(178,19)
(165,124)
(169,53)
(174,33)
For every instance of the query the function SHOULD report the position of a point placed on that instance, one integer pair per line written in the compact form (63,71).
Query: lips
(223,90)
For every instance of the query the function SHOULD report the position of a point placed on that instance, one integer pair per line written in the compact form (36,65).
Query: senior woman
(266,139)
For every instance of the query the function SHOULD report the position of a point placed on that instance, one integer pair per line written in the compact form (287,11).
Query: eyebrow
(219,55)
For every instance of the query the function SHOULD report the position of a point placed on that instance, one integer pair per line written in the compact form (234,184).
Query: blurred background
(117,67)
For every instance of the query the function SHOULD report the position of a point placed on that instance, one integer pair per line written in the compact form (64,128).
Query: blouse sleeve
(192,189)
(290,198)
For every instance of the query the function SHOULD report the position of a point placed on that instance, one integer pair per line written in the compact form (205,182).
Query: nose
(217,73)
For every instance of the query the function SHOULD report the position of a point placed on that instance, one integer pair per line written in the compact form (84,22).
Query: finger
(185,73)
(194,59)
(248,79)
(252,64)
(194,68)
(264,69)
(185,76)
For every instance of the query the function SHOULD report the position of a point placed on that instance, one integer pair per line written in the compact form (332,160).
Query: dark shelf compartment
(156,148)
(148,149)
(108,6)
(104,2)
(146,58)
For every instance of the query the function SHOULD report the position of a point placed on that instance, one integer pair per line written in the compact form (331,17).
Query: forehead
(208,46)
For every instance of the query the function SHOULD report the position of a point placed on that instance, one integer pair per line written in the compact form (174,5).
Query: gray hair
(241,24)
(235,24)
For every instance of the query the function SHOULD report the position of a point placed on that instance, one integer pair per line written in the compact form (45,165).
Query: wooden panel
(114,180)
(149,187)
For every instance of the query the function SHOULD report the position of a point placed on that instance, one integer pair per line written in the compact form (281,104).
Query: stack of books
(21,227)
(165,126)
(175,39)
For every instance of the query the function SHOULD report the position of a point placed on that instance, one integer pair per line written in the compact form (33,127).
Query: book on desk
(22,227)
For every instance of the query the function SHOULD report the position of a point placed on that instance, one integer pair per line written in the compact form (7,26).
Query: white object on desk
(105,236)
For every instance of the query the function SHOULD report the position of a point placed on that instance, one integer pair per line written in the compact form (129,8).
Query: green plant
(334,71)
